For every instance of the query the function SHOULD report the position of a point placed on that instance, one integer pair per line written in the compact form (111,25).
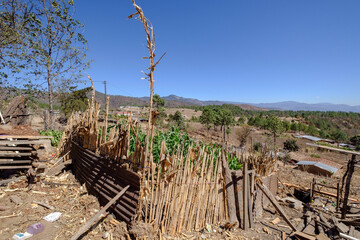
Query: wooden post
(250,206)
(230,194)
(245,197)
(312,186)
(272,199)
(337,196)
(350,168)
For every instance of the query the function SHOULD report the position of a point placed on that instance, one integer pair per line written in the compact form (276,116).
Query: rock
(16,200)
(105,235)
(292,202)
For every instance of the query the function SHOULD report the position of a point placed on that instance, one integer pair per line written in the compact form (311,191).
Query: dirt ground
(18,130)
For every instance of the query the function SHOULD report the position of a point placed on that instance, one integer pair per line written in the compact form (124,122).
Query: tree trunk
(51,116)
(274,139)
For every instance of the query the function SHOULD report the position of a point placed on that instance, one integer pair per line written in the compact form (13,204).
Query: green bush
(56,134)
(315,155)
(257,146)
(291,145)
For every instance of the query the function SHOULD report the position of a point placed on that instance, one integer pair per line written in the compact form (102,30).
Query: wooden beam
(350,167)
(334,149)
(24,137)
(21,142)
(272,199)
(320,192)
(16,167)
(12,161)
(14,154)
(95,219)
(14,148)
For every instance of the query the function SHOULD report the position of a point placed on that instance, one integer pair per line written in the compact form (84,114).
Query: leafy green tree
(178,119)
(158,101)
(294,127)
(207,117)
(226,119)
(17,31)
(59,56)
(274,125)
(339,135)
(241,120)
(286,125)
(74,101)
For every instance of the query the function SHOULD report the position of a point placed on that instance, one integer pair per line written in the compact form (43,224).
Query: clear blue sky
(236,50)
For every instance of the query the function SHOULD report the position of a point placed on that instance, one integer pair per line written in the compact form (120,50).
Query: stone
(293,203)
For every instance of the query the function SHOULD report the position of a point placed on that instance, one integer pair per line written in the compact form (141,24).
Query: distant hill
(297,106)
(170,101)
(176,101)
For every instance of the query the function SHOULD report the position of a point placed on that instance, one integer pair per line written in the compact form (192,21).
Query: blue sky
(236,50)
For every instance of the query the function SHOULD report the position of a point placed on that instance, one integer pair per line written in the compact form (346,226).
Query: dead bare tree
(150,37)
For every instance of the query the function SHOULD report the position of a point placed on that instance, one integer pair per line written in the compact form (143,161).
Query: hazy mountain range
(176,101)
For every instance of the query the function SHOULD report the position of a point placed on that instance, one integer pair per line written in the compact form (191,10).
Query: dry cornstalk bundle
(263,162)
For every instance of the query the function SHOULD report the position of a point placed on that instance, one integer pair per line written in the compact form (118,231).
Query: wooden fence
(181,192)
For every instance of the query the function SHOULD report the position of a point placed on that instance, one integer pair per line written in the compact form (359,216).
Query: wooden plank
(95,219)
(16,167)
(14,148)
(14,154)
(56,170)
(21,142)
(12,161)
(272,199)
(24,137)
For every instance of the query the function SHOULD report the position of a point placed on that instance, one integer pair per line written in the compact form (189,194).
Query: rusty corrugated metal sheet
(104,178)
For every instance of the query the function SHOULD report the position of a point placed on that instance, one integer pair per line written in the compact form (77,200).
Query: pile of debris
(321,218)
(17,112)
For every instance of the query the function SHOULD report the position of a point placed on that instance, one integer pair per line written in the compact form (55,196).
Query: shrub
(315,155)
(291,145)
(257,146)
(56,134)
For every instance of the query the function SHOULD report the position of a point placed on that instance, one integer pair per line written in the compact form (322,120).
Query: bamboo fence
(179,193)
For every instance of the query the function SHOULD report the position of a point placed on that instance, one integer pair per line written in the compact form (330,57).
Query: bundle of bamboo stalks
(184,192)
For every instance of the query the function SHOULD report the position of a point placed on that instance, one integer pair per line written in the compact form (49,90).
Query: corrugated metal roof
(319,165)
(312,138)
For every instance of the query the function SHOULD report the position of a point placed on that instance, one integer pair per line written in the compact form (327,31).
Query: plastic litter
(52,217)
(35,228)
(22,236)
